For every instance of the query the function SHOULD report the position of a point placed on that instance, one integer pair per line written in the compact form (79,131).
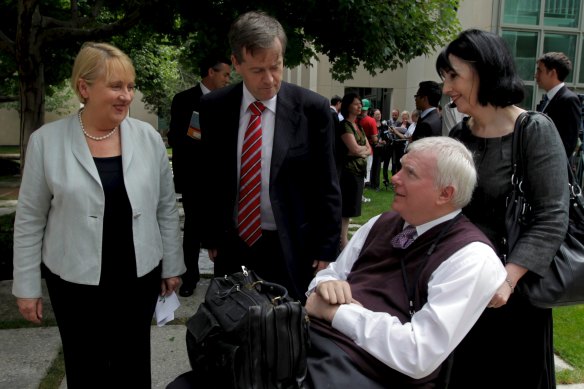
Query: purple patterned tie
(404,238)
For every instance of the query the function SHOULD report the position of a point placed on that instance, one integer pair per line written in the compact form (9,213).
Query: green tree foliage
(167,38)
(41,38)
(378,34)
(159,74)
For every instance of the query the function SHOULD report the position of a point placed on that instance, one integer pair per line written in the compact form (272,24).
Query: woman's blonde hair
(95,60)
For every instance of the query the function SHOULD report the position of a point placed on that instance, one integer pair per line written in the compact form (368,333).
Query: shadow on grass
(9,179)
(6,236)
(9,168)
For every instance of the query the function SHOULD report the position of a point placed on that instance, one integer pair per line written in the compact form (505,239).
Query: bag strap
(517,152)
(278,293)
(519,168)
(411,289)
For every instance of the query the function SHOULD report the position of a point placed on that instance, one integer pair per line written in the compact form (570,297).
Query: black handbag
(563,282)
(248,334)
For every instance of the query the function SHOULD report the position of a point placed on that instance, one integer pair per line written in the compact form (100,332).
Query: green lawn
(9,150)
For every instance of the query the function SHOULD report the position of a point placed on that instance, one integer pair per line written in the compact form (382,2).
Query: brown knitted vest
(377,282)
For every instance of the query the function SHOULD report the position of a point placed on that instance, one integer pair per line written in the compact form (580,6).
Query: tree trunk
(32,106)
(31,72)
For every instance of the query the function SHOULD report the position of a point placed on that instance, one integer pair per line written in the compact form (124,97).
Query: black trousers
(330,367)
(191,238)
(376,167)
(266,258)
(399,148)
(105,330)
(386,157)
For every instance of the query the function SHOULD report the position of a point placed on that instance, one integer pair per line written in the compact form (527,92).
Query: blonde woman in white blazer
(97,217)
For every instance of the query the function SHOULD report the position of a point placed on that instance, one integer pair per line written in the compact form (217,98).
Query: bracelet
(508,281)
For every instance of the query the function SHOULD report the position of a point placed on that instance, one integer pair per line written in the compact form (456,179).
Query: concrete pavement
(27,353)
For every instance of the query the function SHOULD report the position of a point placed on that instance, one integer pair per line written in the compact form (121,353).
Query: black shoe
(186,290)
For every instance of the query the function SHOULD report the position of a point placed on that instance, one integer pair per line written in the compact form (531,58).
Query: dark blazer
(186,151)
(430,125)
(340,149)
(564,110)
(304,190)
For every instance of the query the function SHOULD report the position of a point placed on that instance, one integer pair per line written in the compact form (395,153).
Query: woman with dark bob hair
(512,338)
(354,169)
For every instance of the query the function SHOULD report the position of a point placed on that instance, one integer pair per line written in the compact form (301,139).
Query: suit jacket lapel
(232,109)
(127,134)
(554,99)
(80,150)
(285,127)
(231,128)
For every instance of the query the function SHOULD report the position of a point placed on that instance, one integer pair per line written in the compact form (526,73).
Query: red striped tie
(249,222)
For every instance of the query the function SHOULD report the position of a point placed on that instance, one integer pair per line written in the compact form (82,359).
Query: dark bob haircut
(348,100)
(489,55)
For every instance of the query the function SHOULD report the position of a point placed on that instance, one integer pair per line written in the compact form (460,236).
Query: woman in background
(354,170)
(511,346)
(97,215)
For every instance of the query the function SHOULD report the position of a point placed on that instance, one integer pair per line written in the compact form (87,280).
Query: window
(561,13)
(523,46)
(534,27)
(581,78)
(521,12)
(528,102)
(561,42)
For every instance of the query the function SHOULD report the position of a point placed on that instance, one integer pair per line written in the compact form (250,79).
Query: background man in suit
(187,162)
(559,103)
(427,99)
(297,228)
(340,149)
(336,106)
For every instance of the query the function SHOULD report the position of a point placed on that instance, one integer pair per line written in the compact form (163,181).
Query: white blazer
(60,211)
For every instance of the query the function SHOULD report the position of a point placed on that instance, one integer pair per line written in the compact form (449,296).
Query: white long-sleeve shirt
(458,292)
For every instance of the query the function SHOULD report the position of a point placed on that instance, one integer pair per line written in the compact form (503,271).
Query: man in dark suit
(427,100)
(559,103)
(185,140)
(296,208)
(340,149)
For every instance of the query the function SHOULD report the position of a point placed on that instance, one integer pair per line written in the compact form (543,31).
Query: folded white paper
(165,308)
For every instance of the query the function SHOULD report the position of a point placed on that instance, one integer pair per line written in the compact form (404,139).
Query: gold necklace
(97,138)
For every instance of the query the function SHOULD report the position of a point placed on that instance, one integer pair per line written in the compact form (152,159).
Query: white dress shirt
(458,292)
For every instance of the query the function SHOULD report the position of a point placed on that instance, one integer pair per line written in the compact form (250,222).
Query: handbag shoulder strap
(519,167)
(517,150)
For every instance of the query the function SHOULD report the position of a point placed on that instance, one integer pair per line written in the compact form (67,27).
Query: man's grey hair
(255,30)
(454,166)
